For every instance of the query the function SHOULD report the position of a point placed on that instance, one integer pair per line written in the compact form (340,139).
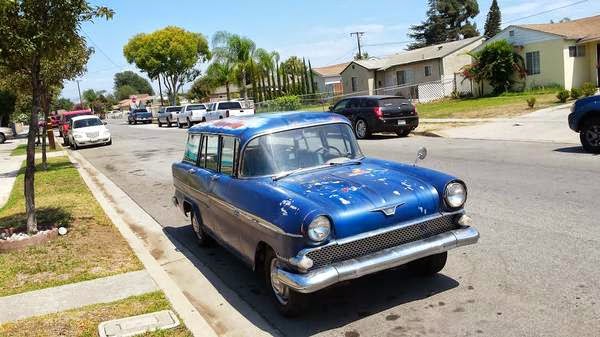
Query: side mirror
(421,155)
(104,122)
(331,108)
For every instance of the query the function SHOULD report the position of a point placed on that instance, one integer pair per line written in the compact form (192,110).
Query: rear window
(173,108)
(230,105)
(196,107)
(140,110)
(391,102)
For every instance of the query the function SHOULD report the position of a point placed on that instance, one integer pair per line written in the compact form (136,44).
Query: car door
(354,109)
(342,108)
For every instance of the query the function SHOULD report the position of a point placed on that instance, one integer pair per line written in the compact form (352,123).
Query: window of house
(354,84)
(532,62)
(511,33)
(191,149)
(577,51)
(428,70)
(401,77)
(228,150)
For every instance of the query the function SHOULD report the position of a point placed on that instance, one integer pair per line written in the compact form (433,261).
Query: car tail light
(378,112)
(414,108)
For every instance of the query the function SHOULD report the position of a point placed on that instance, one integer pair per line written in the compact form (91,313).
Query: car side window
(354,103)
(211,152)
(191,149)
(341,105)
(228,154)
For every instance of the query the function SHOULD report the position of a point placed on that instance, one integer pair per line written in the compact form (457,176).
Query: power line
(547,11)
(101,50)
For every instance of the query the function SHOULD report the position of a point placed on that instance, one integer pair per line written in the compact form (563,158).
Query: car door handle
(192,171)
(215,177)
(236,212)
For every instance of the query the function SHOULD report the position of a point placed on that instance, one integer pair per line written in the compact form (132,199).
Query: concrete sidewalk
(544,125)
(75,295)
(9,168)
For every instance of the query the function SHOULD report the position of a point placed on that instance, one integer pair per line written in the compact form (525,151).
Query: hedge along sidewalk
(93,248)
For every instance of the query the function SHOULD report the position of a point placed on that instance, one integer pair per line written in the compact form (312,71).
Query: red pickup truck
(65,118)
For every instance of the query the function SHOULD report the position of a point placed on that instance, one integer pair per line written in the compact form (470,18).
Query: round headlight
(455,195)
(319,229)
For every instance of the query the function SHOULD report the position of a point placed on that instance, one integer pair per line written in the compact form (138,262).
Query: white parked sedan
(88,130)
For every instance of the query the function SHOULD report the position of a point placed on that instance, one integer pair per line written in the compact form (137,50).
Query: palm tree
(238,51)
(221,73)
(264,60)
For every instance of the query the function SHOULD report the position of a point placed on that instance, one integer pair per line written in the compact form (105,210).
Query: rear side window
(354,103)
(228,151)
(210,153)
(191,149)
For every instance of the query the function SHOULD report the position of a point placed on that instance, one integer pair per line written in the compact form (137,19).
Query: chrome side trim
(389,258)
(244,216)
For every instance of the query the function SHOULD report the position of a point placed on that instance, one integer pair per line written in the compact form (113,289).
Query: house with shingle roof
(408,73)
(328,79)
(565,53)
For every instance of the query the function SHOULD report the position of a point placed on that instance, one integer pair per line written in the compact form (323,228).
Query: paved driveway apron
(534,272)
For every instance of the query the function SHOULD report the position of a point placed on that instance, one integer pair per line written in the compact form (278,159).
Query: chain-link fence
(452,86)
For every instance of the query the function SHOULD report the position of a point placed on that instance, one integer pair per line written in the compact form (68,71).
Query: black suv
(370,114)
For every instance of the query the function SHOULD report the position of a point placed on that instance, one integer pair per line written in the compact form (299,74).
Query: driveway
(545,125)
(533,273)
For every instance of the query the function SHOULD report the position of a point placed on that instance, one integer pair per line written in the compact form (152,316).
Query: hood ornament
(388,210)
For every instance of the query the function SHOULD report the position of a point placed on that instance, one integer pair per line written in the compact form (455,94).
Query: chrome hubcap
(593,135)
(196,227)
(361,129)
(282,292)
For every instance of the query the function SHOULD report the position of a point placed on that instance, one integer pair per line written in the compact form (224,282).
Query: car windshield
(68,118)
(139,110)
(84,123)
(297,149)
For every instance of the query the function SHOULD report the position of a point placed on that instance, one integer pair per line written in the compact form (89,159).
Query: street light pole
(79,91)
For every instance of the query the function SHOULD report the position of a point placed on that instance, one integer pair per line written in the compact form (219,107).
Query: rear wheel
(159,122)
(189,123)
(429,265)
(74,146)
(135,121)
(203,239)
(402,133)
(590,135)
(168,122)
(179,124)
(289,302)
(109,142)
(361,129)
(2,138)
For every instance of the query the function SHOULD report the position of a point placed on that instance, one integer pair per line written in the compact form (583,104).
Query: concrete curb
(99,185)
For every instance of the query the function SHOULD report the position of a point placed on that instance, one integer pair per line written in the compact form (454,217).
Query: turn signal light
(378,112)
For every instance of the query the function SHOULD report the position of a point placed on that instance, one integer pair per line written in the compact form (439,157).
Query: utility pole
(358,35)
(79,91)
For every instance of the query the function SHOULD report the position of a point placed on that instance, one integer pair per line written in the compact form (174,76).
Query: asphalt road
(535,271)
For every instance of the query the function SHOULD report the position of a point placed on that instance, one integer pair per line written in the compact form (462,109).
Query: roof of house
(248,127)
(332,70)
(417,55)
(585,29)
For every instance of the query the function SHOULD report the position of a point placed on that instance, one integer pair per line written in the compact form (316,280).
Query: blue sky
(317,30)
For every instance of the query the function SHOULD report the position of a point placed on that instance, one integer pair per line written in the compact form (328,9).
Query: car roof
(84,117)
(76,112)
(247,127)
(378,97)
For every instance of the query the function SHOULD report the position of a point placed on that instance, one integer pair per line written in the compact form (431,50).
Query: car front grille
(378,242)
(92,134)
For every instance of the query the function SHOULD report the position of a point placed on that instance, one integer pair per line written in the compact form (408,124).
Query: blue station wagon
(293,196)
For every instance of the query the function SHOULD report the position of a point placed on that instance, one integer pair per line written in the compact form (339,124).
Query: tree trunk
(227,89)
(269,86)
(160,91)
(262,81)
(30,166)
(243,85)
(278,79)
(259,88)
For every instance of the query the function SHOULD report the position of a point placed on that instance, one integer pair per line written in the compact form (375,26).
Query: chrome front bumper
(323,277)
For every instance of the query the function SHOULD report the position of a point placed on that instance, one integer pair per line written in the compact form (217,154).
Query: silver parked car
(168,115)
(6,133)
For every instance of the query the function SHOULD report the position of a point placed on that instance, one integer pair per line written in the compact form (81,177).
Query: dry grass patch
(93,247)
(84,321)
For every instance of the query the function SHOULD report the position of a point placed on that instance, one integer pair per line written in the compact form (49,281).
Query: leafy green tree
(141,85)
(312,79)
(63,104)
(33,32)
(125,91)
(171,52)
(7,106)
(447,20)
(498,64)
(201,89)
(238,51)
(493,21)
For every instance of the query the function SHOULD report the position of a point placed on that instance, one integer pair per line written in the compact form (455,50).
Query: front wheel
(590,135)
(168,122)
(361,129)
(289,302)
(179,124)
(429,265)
(2,138)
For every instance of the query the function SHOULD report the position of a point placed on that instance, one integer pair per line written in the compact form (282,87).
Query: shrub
(563,95)
(531,102)
(286,103)
(575,93)
(588,89)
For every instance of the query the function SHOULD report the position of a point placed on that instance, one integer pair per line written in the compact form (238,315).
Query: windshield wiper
(304,169)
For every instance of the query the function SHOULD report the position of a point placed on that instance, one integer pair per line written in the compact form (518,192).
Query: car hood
(355,196)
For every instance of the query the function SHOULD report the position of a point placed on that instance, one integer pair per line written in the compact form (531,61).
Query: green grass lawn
(84,321)
(93,247)
(505,105)
(21,150)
